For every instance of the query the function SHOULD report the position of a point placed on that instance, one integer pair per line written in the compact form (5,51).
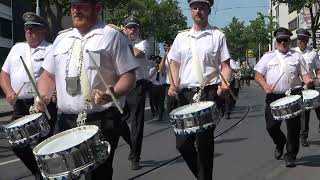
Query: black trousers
(25,154)
(200,160)
(172,101)
(109,122)
(304,132)
(158,94)
(136,101)
(275,132)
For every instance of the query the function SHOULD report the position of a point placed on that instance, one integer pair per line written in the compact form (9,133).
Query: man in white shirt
(16,84)
(268,76)
(196,56)
(70,67)
(137,97)
(312,65)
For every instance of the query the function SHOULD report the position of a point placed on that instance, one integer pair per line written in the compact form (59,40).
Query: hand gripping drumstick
(224,81)
(275,84)
(106,85)
(34,86)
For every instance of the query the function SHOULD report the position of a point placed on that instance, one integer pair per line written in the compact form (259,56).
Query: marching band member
(195,56)
(16,84)
(312,64)
(268,75)
(69,66)
(137,97)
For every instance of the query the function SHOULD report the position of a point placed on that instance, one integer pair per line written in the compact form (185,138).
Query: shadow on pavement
(230,140)
(311,161)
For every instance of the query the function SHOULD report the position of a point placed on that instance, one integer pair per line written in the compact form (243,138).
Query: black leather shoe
(135,165)
(290,163)
(304,142)
(278,153)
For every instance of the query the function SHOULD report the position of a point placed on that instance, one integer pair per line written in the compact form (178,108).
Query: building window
(293,24)
(5,28)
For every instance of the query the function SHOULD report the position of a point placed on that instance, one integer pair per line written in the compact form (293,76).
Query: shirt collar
(207,30)
(289,53)
(97,29)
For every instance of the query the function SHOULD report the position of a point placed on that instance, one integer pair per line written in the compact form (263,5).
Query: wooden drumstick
(225,81)
(34,86)
(21,88)
(106,85)
(275,84)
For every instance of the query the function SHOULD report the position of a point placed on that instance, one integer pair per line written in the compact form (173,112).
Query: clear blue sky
(224,10)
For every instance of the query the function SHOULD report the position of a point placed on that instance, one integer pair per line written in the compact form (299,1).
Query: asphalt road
(243,150)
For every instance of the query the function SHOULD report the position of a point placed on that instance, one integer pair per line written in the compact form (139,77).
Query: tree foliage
(314,13)
(240,38)
(161,20)
(236,38)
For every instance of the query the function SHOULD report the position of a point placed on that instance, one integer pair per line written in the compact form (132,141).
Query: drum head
(23,120)
(65,140)
(190,108)
(309,94)
(285,100)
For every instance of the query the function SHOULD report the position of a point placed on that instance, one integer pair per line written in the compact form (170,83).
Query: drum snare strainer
(195,117)
(310,98)
(286,107)
(71,153)
(27,129)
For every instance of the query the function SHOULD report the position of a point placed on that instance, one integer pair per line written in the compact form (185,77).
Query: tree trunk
(313,28)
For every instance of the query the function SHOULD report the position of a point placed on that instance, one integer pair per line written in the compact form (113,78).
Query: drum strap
(29,61)
(195,60)
(284,67)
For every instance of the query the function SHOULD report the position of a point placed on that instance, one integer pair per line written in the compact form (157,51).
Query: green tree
(314,13)
(259,33)
(236,39)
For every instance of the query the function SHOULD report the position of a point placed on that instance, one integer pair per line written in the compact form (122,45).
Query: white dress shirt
(108,47)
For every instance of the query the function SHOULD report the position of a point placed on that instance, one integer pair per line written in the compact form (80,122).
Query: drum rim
(173,116)
(56,136)
(22,118)
(272,104)
(310,90)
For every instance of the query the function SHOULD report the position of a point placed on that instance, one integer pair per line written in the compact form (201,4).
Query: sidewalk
(5,110)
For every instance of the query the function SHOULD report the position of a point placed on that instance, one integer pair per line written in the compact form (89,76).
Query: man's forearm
(46,85)
(5,83)
(175,67)
(125,83)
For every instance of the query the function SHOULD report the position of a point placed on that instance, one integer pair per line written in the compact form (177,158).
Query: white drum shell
(286,107)
(310,99)
(195,117)
(27,129)
(71,162)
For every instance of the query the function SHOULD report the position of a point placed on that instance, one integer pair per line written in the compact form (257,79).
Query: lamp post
(38,8)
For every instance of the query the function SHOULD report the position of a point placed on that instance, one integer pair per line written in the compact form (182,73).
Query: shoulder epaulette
(65,30)
(269,52)
(116,27)
(185,30)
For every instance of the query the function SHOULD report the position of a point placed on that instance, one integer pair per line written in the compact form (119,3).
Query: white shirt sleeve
(224,52)
(49,62)
(174,53)
(261,67)
(124,60)
(142,46)
(8,62)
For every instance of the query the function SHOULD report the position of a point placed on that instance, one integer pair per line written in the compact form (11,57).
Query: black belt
(272,97)
(91,116)
(196,89)
(26,101)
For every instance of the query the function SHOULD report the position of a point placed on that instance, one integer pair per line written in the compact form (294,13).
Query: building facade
(286,17)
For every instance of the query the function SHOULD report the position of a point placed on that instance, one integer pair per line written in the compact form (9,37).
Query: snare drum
(286,107)
(310,98)
(71,153)
(195,117)
(27,129)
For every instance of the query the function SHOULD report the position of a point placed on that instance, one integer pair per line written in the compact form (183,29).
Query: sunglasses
(302,38)
(280,40)
(32,28)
